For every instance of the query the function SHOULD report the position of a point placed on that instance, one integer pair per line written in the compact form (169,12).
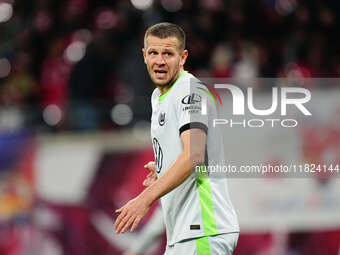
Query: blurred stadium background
(74,117)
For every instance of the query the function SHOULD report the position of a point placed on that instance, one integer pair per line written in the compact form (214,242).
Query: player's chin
(160,82)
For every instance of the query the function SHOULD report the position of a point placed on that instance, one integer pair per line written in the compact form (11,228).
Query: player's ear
(184,57)
(144,55)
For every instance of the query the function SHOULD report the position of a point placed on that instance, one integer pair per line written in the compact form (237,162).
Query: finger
(122,223)
(128,224)
(135,224)
(150,178)
(146,182)
(119,210)
(119,219)
(153,178)
(147,164)
(151,166)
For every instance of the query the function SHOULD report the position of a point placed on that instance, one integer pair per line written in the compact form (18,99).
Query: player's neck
(165,88)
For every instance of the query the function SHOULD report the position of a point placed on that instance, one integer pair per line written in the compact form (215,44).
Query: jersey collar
(161,98)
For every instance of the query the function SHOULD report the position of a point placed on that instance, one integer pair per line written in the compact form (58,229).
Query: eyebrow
(166,49)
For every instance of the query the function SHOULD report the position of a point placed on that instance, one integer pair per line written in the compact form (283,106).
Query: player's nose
(160,60)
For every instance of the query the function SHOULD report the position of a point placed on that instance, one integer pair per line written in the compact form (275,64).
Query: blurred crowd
(77,64)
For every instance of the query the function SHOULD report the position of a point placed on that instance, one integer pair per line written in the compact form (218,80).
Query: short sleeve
(192,107)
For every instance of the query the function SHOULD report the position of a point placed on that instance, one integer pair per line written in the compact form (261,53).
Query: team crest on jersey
(161,118)
(191,99)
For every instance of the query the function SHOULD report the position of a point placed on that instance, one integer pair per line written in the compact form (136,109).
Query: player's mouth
(160,74)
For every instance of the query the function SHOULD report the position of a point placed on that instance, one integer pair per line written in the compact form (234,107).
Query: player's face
(163,59)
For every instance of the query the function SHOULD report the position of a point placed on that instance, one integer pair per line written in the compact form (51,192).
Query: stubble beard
(170,82)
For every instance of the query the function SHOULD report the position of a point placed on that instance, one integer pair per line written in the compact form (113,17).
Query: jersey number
(158,155)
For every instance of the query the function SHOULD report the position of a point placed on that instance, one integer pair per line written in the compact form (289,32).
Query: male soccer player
(198,214)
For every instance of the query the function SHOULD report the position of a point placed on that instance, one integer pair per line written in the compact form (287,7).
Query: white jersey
(200,206)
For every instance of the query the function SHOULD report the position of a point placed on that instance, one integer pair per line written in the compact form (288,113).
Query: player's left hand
(131,214)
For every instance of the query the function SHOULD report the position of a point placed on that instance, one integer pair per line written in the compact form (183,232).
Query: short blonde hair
(165,30)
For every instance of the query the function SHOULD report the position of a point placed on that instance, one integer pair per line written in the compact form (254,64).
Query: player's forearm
(177,174)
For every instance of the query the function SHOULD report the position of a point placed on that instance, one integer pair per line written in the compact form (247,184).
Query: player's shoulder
(193,87)
(188,82)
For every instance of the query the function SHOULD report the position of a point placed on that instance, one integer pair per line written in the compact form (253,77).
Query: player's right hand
(152,176)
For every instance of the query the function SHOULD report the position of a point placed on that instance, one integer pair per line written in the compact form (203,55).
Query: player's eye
(152,52)
(168,54)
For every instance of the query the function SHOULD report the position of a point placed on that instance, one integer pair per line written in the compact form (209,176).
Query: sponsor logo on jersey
(192,108)
(161,118)
(191,99)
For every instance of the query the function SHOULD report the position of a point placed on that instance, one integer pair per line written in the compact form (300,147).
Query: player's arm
(136,209)
(181,169)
